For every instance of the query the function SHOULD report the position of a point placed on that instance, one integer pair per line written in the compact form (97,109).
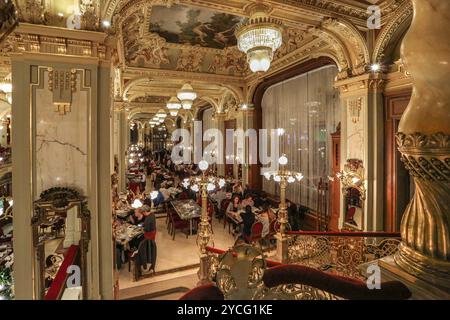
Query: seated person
(136,216)
(264,218)
(232,211)
(234,206)
(237,189)
(268,210)
(248,191)
(164,191)
(219,195)
(248,218)
(159,199)
(261,200)
(248,201)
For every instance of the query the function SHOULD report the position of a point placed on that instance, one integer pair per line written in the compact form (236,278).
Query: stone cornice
(368,82)
(50,31)
(45,40)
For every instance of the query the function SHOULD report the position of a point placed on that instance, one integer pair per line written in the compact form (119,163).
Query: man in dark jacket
(248,218)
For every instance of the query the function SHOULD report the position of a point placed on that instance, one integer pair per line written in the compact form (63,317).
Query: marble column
(220,120)
(362,138)
(248,122)
(424,141)
(124,131)
(62,140)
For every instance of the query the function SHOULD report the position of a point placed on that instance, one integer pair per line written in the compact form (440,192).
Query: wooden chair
(178,224)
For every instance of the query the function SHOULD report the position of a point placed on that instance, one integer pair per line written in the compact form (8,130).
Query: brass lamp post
(284,177)
(204,184)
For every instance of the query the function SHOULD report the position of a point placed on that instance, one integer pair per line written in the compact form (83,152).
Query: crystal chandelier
(259,37)
(186,96)
(173,105)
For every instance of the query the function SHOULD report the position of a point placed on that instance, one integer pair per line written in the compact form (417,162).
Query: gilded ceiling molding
(135,109)
(135,72)
(213,101)
(134,82)
(30,38)
(337,49)
(328,7)
(373,82)
(39,12)
(237,92)
(353,40)
(356,13)
(399,23)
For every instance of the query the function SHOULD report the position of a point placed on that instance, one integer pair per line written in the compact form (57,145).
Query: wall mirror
(61,235)
(354,192)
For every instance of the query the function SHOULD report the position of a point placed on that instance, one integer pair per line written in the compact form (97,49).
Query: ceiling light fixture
(187,96)
(259,37)
(173,105)
(161,114)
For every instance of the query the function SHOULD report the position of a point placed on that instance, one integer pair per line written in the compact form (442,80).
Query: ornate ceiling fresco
(194,26)
(157,45)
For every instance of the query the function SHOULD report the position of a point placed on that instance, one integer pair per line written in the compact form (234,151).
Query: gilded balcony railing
(243,273)
(341,253)
(227,275)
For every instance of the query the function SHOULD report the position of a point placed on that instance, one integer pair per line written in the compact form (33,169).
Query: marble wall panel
(61,142)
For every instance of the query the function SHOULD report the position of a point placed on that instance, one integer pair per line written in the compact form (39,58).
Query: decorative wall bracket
(354,108)
(353,177)
(62,83)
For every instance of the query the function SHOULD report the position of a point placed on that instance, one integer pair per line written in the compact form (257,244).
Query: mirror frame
(58,200)
(352,177)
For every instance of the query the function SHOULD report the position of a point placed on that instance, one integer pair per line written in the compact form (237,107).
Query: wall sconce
(353,176)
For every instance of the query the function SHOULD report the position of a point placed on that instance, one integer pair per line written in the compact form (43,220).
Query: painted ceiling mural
(194,26)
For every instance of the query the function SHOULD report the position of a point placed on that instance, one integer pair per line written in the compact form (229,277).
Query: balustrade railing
(341,253)
(243,272)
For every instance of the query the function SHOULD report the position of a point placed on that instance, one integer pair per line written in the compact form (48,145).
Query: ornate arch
(134,82)
(352,40)
(211,100)
(392,31)
(236,92)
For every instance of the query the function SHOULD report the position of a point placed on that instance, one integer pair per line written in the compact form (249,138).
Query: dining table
(124,232)
(187,210)
(236,216)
